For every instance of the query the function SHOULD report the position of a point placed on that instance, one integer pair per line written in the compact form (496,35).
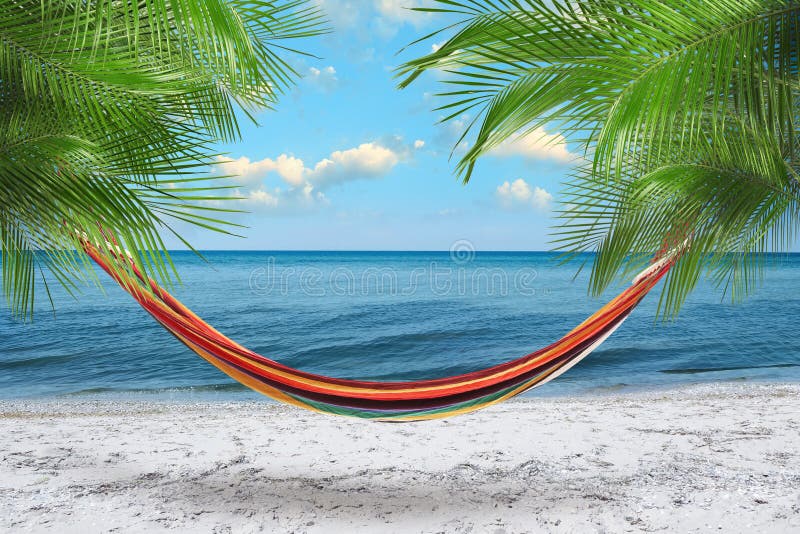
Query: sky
(346,161)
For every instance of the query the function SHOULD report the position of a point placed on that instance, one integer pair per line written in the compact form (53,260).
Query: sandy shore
(723,458)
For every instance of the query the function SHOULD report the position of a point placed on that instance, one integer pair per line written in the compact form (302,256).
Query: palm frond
(109,109)
(687,111)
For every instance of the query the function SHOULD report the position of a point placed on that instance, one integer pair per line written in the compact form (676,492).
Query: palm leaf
(110,117)
(686,110)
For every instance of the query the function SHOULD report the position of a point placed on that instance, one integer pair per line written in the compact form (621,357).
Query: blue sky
(349,162)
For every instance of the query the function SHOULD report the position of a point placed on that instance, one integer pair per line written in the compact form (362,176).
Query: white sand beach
(723,458)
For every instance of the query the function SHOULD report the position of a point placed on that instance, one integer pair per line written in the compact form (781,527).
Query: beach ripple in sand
(722,458)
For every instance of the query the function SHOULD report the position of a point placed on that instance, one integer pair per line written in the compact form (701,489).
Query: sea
(393,316)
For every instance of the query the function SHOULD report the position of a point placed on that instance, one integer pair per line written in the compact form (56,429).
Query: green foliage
(685,112)
(109,115)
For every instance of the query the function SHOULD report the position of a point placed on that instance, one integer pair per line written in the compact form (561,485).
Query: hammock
(388,401)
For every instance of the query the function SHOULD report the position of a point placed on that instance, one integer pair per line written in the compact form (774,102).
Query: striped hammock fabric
(388,401)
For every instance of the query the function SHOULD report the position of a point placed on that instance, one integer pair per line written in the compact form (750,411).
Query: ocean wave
(35,362)
(695,371)
(200,388)
(106,345)
(395,344)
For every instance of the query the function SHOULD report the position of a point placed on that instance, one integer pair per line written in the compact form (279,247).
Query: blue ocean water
(393,316)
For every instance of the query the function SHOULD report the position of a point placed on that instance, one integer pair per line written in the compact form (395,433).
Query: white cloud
(280,200)
(519,194)
(537,144)
(400,11)
(342,14)
(436,46)
(324,79)
(357,24)
(261,198)
(449,133)
(305,183)
(245,170)
(289,168)
(391,15)
(363,20)
(419,143)
(368,160)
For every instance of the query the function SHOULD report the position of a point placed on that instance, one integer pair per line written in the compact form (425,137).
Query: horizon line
(476,251)
(351,250)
